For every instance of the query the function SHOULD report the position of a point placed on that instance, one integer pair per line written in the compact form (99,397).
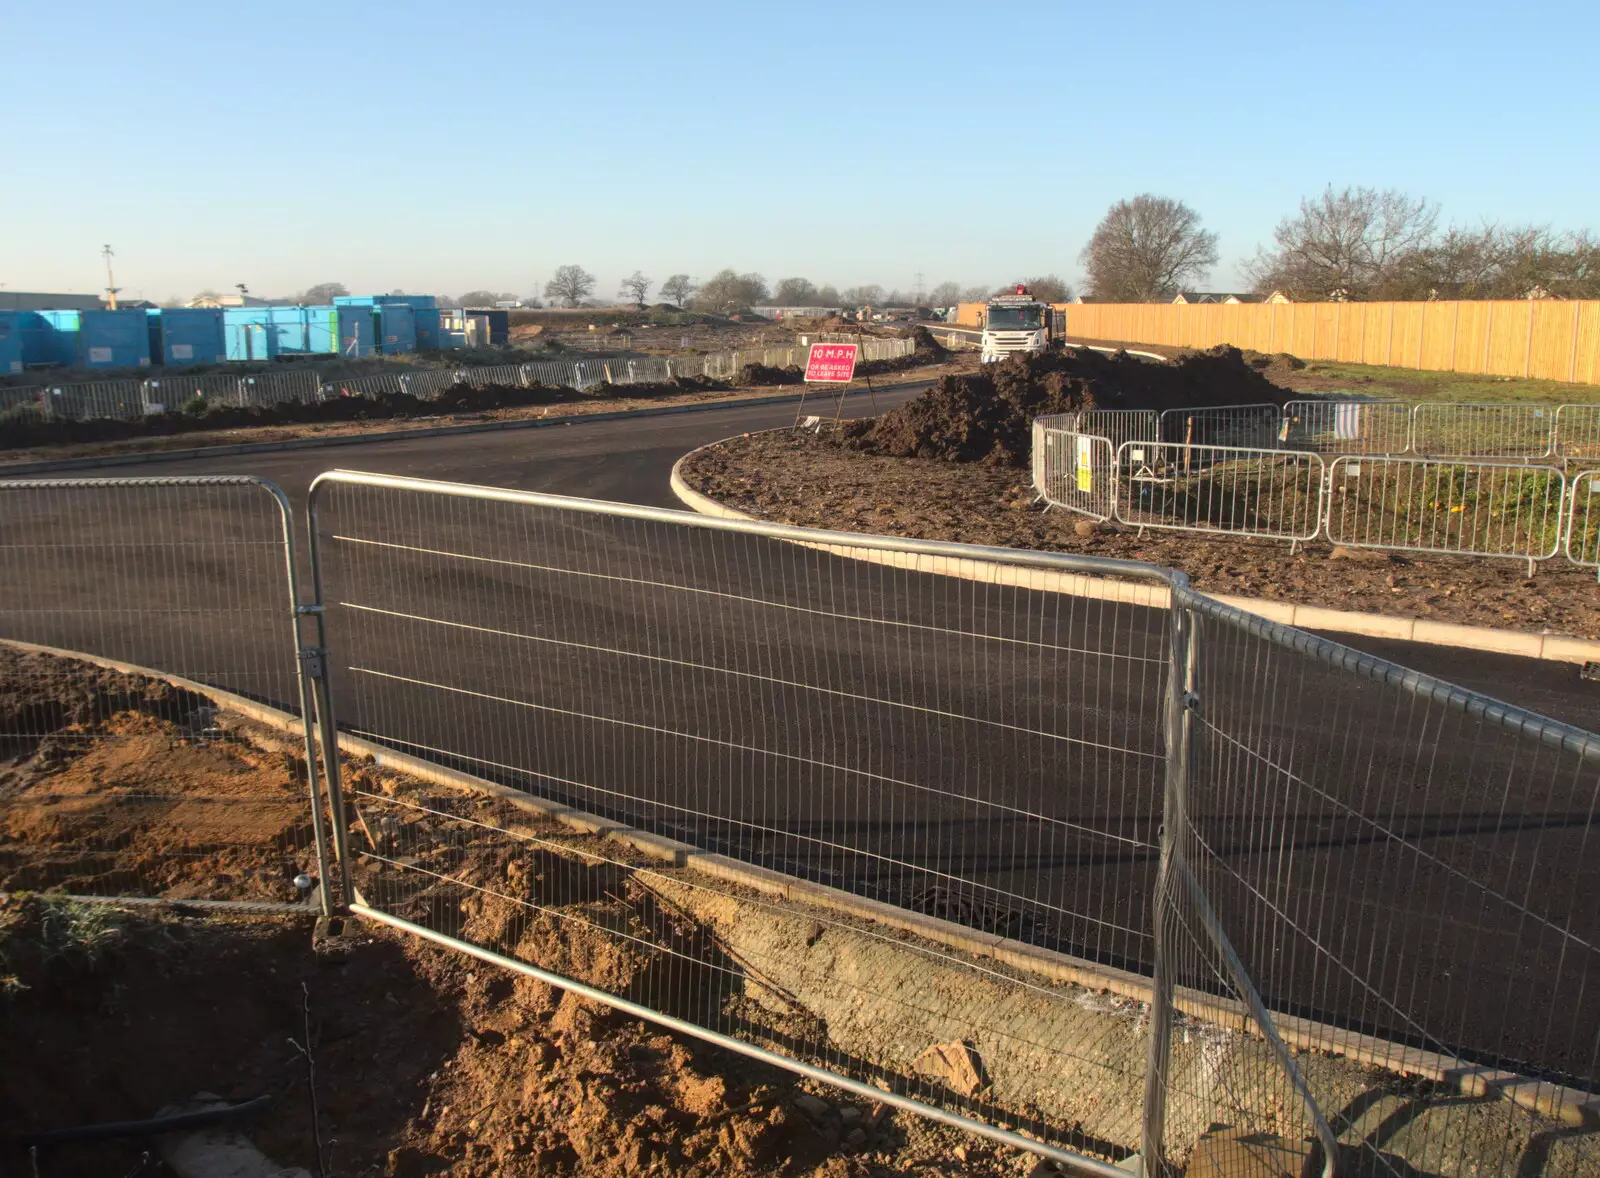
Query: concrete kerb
(1547,647)
(1567,1106)
(144,457)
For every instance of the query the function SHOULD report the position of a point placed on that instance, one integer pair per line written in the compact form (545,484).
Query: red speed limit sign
(832,363)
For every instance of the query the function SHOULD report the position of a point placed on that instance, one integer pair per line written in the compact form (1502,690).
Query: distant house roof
(131,304)
(1202,297)
(228,300)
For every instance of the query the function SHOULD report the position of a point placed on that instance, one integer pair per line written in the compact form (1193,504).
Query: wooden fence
(1546,338)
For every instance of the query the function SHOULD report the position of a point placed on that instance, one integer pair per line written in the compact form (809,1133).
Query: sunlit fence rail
(1446,506)
(1511,430)
(173,390)
(1525,510)
(1347,427)
(1049,847)
(1228,490)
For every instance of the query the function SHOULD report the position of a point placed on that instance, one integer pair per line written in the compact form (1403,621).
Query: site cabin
(1013,323)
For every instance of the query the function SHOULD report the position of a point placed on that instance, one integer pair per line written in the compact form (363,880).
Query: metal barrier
(125,783)
(121,399)
(1577,432)
(1253,427)
(1510,430)
(1049,848)
(1443,506)
(1120,425)
(747,705)
(1227,490)
(1078,472)
(1582,539)
(1347,427)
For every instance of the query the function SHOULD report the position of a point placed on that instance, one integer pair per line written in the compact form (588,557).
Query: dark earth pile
(23,426)
(986,416)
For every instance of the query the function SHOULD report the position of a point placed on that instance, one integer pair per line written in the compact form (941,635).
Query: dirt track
(799,478)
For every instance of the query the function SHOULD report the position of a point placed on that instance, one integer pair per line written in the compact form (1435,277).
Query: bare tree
(479,298)
(869,294)
(727,291)
(635,286)
(1145,249)
(1349,244)
(828,296)
(1047,288)
(323,292)
(795,292)
(678,290)
(946,294)
(571,284)
(974,294)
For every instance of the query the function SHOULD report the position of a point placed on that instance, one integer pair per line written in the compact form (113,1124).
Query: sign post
(833,364)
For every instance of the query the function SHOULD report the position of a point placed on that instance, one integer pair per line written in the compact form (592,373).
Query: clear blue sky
(444,147)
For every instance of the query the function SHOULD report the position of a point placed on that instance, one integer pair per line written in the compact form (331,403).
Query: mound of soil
(768,374)
(987,416)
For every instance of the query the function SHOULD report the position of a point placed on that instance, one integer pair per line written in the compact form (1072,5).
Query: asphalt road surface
(991,755)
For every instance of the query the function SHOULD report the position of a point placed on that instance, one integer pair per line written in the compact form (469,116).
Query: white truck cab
(1013,323)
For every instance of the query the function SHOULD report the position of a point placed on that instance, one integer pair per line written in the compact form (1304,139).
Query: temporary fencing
(1508,430)
(1347,427)
(1582,542)
(191,578)
(1577,432)
(128,399)
(1252,426)
(1076,470)
(1446,506)
(1220,489)
(1048,847)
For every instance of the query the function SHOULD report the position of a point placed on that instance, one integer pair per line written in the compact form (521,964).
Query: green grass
(1409,384)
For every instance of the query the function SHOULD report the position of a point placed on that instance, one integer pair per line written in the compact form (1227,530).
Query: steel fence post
(315,665)
(1179,711)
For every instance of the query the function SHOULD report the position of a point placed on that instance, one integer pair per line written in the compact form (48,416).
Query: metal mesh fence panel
(1577,431)
(122,399)
(1405,870)
(862,815)
(120,781)
(1424,505)
(1251,426)
(1347,427)
(1120,425)
(1582,542)
(1221,489)
(1511,430)
(1078,471)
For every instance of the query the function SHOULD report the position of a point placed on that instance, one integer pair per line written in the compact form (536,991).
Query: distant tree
(946,294)
(678,290)
(323,292)
(479,298)
(974,294)
(727,292)
(1146,249)
(1351,244)
(867,295)
(896,298)
(795,292)
(571,284)
(1047,288)
(828,296)
(635,287)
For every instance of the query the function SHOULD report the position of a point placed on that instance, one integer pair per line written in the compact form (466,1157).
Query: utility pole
(111,282)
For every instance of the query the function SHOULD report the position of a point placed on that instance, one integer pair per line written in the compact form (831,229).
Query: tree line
(1352,244)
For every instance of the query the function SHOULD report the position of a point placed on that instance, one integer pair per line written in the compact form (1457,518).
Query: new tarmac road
(986,754)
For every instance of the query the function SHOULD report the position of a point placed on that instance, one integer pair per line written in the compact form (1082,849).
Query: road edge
(1544,647)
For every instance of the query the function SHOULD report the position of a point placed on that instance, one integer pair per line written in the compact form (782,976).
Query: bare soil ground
(799,477)
(426,1061)
(574,406)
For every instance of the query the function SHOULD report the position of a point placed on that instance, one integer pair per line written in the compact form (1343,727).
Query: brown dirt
(986,416)
(799,478)
(426,1061)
